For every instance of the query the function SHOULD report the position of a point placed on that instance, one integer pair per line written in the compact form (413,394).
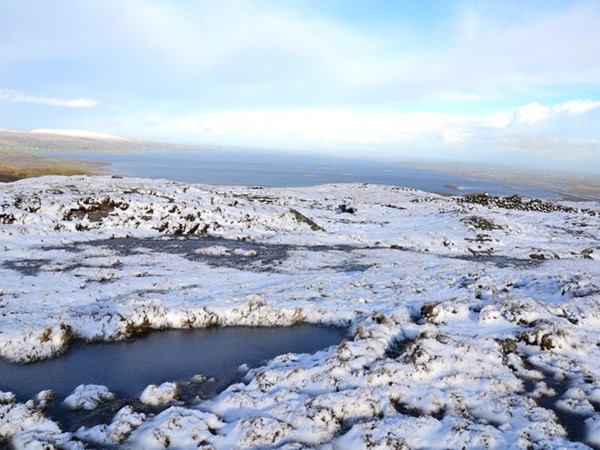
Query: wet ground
(213,251)
(235,254)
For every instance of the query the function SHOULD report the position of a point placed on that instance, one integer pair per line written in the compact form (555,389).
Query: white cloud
(561,140)
(318,126)
(326,128)
(576,106)
(535,112)
(19,97)
(532,112)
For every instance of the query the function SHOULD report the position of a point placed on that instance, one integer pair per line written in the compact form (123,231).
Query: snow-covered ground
(474,322)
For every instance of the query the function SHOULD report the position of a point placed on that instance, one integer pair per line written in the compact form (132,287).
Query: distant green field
(15,165)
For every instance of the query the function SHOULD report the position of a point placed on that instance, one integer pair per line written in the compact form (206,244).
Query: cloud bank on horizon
(463,80)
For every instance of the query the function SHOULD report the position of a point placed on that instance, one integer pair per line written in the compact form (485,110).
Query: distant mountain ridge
(81,134)
(68,140)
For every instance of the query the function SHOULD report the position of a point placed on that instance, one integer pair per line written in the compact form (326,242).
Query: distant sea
(250,168)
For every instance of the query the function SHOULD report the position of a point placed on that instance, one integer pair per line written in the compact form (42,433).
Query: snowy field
(474,322)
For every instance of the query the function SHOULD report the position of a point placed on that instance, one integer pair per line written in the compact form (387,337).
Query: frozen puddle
(126,368)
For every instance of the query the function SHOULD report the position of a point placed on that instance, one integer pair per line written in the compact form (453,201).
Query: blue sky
(512,82)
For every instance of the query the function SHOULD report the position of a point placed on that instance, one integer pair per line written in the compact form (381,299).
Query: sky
(512,82)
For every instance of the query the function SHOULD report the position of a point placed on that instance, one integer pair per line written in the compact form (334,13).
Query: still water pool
(126,368)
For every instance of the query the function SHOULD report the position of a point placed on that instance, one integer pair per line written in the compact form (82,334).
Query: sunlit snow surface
(471,326)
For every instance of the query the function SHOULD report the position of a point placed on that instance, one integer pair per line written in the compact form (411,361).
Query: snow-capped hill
(80,134)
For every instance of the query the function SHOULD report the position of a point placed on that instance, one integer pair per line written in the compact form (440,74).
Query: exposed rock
(303,219)
(517,202)
(346,209)
(481,223)
(94,210)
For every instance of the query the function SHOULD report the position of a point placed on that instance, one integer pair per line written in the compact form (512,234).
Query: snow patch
(88,397)
(155,395)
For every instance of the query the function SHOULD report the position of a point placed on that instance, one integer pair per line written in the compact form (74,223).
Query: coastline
(575,187)
(23,163)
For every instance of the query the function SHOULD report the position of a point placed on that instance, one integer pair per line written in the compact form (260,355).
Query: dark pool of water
(500,261)
(573,423)
(126,368)
(285,169)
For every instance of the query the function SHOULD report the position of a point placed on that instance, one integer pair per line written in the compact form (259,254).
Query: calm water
(126,368)
(250,168)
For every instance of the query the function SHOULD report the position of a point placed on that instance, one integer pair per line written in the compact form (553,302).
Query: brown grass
(11,173)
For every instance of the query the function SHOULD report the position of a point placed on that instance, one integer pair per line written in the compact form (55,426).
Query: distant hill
(50,141)
(19,151)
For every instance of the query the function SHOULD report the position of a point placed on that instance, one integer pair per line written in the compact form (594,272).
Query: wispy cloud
(18,97)
(316,125)
(232,54)
(532,112)
(535,112)
(576,106)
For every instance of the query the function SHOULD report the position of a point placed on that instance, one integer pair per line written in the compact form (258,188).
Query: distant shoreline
(569,186)
(23,163)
